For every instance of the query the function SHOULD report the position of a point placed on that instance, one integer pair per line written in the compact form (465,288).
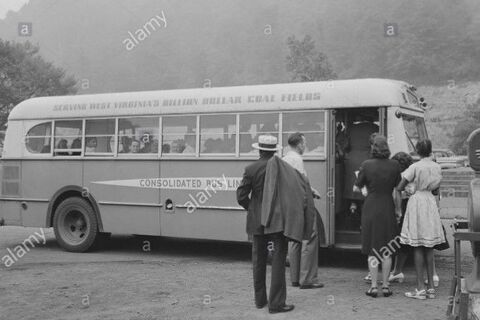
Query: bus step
(348,246)
(347,237)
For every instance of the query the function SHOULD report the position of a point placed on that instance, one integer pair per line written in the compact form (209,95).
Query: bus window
(99,135)
(68,138)
(415,130)
(138,135)
(217,133)
(311,124)
(255,124)
(38,138)
(179,135)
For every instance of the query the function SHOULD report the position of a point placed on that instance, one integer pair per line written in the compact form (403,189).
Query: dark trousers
(278,245)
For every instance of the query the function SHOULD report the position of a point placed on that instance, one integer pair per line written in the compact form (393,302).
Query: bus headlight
(398,113)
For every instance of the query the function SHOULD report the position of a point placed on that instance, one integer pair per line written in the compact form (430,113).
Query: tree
(305,63)
(24,74)
(465,127)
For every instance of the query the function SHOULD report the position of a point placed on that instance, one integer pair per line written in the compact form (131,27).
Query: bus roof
(288,96)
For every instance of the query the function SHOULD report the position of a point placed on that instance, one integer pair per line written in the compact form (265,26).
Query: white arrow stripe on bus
(187,183)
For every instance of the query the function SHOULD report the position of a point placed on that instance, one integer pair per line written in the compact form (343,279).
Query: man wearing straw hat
(250,197)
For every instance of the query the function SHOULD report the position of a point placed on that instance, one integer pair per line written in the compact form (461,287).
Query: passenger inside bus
(149,143)
(189,144)
(76,144)
(135,146)
(165,148)
(178,146)
(62,144)
(358,150)
(352,146)
(90,145)
(124,146)
(146,140)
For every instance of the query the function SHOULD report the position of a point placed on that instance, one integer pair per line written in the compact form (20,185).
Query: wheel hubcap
(74,227)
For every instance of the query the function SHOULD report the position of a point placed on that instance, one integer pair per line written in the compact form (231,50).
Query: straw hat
(267,143)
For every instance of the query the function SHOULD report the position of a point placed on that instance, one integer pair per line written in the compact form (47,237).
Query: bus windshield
(415,130)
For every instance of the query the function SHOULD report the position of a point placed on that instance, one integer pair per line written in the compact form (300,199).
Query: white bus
(167,163)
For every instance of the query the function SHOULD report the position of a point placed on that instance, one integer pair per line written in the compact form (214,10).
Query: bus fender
(71,191)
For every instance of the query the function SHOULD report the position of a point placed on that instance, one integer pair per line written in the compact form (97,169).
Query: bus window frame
(236,155)
(229,155)
(26,153)
(153,155)
(67,156)
(250,155)
(306,156)
(179,155)
(84,138)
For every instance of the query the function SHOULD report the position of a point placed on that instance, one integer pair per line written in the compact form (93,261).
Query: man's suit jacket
(288,205)
(252,182)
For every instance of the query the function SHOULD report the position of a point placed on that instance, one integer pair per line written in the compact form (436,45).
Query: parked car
(448,160)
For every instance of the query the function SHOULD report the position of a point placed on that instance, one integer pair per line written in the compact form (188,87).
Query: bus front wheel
(75,225)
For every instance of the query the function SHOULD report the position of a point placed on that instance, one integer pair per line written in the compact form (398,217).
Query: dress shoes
(312,286)
(295,284)
(284,308)
(262,305)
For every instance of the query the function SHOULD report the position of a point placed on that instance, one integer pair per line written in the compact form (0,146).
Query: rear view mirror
(473,141)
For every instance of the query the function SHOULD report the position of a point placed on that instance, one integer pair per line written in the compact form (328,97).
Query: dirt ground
(188,280)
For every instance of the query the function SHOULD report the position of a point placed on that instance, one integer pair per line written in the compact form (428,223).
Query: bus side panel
(203,214)
(10,188)
(10,212)
(41,179)
(316,171)
(124,209)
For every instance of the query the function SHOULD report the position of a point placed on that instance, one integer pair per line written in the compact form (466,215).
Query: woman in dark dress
(379,222)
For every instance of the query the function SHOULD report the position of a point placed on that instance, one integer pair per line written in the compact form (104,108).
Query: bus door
(351,129)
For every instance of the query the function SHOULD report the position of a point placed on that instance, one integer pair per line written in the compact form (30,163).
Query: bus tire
(75,225)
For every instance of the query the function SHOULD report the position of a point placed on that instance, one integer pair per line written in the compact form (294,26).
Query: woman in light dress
(422,228)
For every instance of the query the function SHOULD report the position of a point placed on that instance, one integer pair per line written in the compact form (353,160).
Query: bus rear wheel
(75,225)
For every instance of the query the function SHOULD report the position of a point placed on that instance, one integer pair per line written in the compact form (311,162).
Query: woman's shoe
(386,292)
(372,292)
(436,281)
(368,278)
(396,278)
(421,295)
(431,293)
